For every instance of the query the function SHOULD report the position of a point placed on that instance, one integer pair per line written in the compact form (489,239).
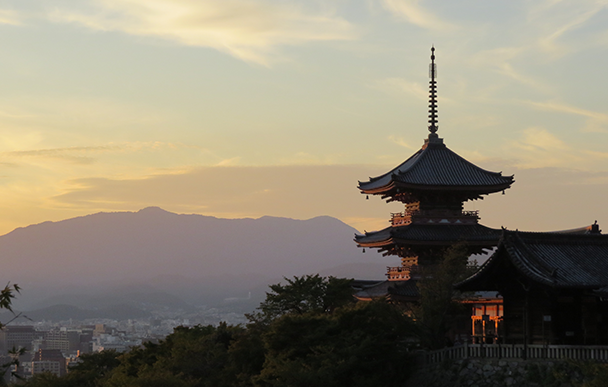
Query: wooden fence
(518,351)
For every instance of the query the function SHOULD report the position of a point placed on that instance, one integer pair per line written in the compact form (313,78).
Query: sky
(246,108)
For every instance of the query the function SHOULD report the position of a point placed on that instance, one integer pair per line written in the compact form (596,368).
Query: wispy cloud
(228,162)
(47,152)
(539,148)
(74,155)
(539,138)
(306,158)
(85,154)
(549,43)
(556,20)
(501,60)
(598,122)
(400,141)
(402,85)
(558,107)
(411,11)
(250,30)
(10,16)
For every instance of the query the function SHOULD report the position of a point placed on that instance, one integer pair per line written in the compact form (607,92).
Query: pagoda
(433,184)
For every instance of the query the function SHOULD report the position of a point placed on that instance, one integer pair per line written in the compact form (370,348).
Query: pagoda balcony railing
(398,273)
(397,269)
(406,217)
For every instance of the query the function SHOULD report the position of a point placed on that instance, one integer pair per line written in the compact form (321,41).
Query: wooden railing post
(531,351)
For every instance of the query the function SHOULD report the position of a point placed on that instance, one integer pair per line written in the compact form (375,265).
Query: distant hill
(199,259)
(61,312)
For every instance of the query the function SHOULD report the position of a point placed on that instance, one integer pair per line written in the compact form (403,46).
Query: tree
(6,299)
(197,356)
(6,302)
(433,314)
(315,334)
(309,330)
(358,345)
(309,293)
(92,370)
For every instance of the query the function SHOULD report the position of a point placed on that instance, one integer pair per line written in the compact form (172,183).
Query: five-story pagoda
(433,184)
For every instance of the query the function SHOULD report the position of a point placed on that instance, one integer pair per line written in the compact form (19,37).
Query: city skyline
(246,108)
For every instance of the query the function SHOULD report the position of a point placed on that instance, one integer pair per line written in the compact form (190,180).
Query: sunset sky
(245,108)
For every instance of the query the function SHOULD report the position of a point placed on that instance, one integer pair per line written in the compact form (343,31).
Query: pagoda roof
(425,234)
(401,289)
(436,167)
(557,260)
(408,288)
(376,290)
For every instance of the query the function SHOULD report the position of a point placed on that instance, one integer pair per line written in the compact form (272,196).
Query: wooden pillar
(526,323)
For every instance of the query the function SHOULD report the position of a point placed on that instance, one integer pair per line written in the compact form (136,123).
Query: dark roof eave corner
(516,248)
(485,267)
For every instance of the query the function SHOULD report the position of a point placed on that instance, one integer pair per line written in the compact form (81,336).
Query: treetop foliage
(437,305)
(306,294)
(308,331)
(6,299)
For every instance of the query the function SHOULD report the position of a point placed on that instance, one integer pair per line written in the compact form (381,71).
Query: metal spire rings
(433,94)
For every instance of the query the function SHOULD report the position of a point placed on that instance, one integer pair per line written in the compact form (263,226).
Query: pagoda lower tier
(404,240)
(423,244)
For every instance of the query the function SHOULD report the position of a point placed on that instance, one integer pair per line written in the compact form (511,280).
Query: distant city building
(49,360)
(99,329)
(68,341)
(17,336)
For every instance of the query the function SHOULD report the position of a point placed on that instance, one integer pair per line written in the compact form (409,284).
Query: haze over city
(246,108)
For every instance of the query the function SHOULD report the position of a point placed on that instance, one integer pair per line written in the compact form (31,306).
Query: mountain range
(139,258)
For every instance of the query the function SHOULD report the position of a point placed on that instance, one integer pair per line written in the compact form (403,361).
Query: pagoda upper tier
(438,171)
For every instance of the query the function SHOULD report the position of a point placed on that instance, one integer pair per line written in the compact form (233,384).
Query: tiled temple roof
(447,234)
(408,289)
(557,260)
(436,166)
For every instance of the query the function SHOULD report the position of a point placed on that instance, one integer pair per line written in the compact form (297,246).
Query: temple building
(535,288)
(433,184)
(554,287)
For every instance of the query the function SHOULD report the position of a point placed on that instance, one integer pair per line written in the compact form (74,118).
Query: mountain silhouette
(201,259)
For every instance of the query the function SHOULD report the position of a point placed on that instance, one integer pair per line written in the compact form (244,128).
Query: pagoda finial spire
(433,96)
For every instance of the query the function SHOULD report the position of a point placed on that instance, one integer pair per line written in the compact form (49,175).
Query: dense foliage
(308,331)
(362,345)
(306,294)
(438,307)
